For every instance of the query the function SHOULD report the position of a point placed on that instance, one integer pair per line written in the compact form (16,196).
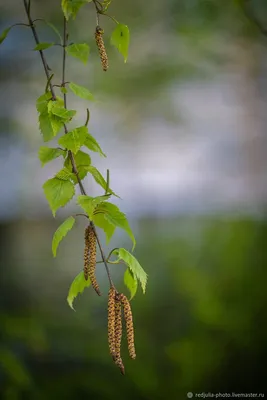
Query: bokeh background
(184,126)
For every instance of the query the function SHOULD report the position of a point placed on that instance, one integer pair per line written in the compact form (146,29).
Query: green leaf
(58,193)
(4,34)
(62,113)
(108,228)
(49,124)
(45,127)
(79,50)
(81,91)
(43,46)
(71,7)
(47,154)
(63,90)
(120,38)
(61,232)
(78,285)
(133,265)
(93,145)
(42,102)
(117,218)
(130,282)
(74,139)
(97,176)
(65,174)
(82,161)
(89,203)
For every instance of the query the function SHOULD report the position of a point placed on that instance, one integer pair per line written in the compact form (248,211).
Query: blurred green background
(184,126)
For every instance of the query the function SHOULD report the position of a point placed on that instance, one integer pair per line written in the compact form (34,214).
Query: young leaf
(120,38)
(4,34)
(45,127)
(97,176)
(74,139)
(43,46)
(93,145)
(58,193)
(65,174)
(130,282)
(62,113)
(42,102)
(71,7)
(108,228)
(82,161)
(81,91)
(89,203)
(61,232)
(63,90)
(133,265)
(79,50)
(47,154)
(77,286)
(117,218)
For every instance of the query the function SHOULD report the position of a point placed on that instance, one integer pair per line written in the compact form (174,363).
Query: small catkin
(118,327)
(92,259)
(129,325)
(111,321)
(118,334)
(101,47)
(86,253)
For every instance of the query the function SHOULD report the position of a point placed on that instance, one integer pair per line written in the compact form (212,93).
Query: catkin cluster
(116,302)
(101,47)
(90,257)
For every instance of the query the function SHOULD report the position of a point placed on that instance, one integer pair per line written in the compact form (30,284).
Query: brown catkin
(129,325)
(101,47)
(86,253)
(118,334)
(111,321)
(92,259)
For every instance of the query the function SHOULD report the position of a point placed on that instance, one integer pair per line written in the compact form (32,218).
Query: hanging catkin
(86,253)
(92,259)
(118,334)
(111,321)
(101,47)
(129,325)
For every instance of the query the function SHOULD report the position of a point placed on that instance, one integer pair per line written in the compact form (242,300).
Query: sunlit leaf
(62,113)
(61,232)
(109,229)
(74,139)
(58,193)
(93,145)
(78,285)
(47,154)
(43,46)
(70,8)
(82,161)
(89,204)
(133,265)
(81,91)
(120,38)
(117,218)
(130,282)
(79,50)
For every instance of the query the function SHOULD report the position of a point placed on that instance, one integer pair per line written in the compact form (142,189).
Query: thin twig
(46,69)
(87,117)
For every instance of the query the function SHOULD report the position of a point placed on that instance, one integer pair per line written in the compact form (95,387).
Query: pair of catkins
(116,302)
